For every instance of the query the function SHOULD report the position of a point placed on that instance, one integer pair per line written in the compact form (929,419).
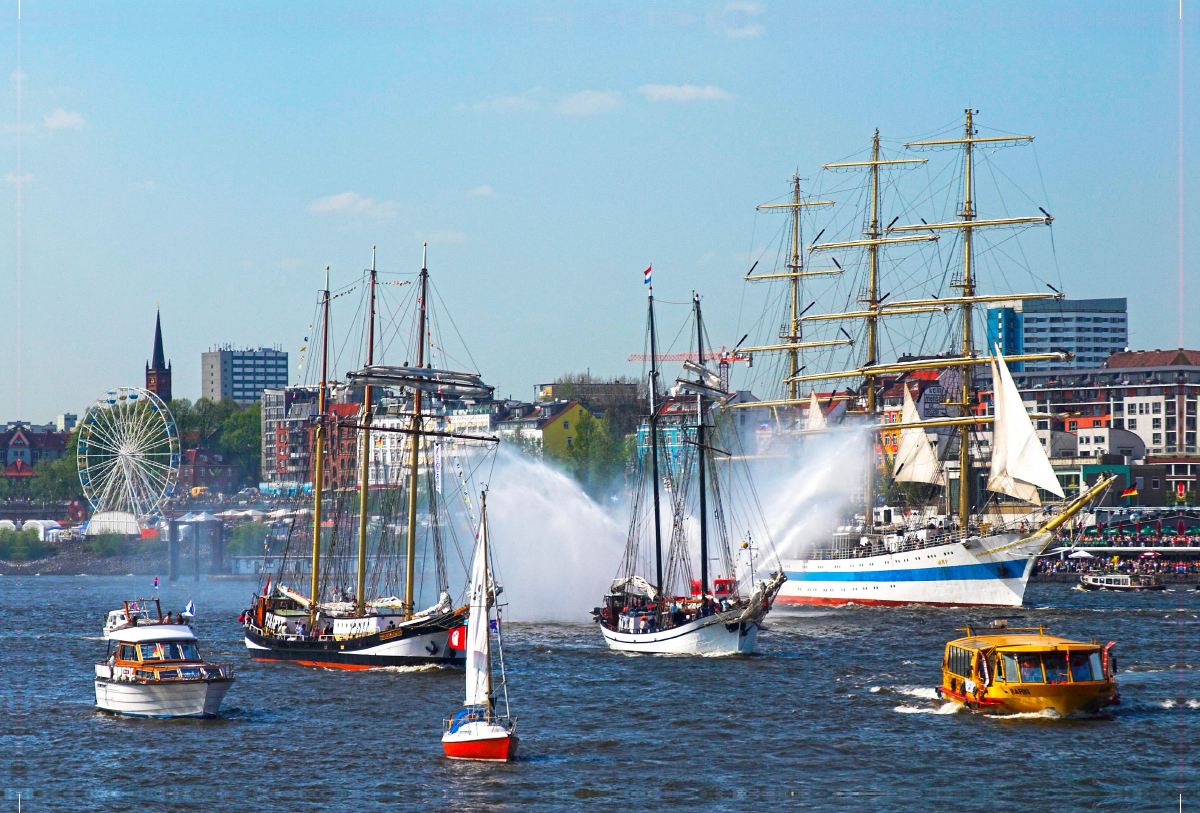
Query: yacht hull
(182,698)
(480,741)
(378,651)
(719,634)
(947,575)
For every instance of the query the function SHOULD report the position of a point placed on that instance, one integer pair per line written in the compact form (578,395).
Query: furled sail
(816,416)
(1019,463)
(478,654)
(916,462)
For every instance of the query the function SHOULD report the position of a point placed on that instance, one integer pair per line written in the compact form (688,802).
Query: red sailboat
(480,731)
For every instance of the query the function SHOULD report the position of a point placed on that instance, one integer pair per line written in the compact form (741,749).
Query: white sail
(1019,463)
(816,417)
(916,462)
(478,643)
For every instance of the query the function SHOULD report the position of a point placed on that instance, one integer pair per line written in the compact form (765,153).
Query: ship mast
(319,466)
(487,596)
(700,452)
(360,604)
(416,447)
(654,446)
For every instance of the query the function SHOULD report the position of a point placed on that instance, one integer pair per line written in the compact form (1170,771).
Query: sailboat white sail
(916,462)
(816,416)
(1019,462)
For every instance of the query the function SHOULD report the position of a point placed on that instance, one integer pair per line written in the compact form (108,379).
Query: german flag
(1130,492)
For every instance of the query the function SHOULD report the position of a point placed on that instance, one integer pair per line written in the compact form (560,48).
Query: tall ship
(669,597)
(367,539)
(951,542)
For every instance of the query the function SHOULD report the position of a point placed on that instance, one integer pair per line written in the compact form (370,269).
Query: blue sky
(215,157)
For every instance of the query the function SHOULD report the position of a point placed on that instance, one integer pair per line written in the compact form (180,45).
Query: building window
(1133,423)
(1154,483)
(1156,423)
(569,439)
(1156,438)
(566,424)
(1071,426)
(1157,408)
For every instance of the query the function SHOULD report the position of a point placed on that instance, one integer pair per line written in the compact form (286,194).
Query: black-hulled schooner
(403,522)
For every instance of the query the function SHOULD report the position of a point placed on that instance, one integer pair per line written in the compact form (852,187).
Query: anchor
(432,649)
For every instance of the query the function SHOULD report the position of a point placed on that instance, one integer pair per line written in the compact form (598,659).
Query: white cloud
(25,177)
(683,93)
(589,102)
(64,120)
(509,104)
(352,203)
(738,20)
(484,191)
(444,236)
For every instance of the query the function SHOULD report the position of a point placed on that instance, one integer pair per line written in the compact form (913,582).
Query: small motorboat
(1023,669)
(1121,581)
(480,731)
(154,669)
(132,613)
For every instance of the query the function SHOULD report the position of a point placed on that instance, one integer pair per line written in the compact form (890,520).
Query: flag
(648,275)
(494,625)
(1130,492)
(190,609)
(458,638)
(156,582)
(437,467)
(267,588)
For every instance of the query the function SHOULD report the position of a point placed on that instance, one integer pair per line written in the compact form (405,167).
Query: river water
(835,713)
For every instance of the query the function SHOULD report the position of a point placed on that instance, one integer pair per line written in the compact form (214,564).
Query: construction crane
(722,355)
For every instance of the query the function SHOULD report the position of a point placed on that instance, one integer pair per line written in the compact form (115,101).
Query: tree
(58,480)
(598,455)
(241,439)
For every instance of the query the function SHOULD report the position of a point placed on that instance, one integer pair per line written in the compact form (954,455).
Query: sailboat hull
(481,741)
(382,650)
(716,635)
(948,575)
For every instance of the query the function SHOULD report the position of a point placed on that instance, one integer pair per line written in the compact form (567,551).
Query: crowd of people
(1123,564)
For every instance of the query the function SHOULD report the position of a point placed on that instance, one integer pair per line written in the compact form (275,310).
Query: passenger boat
(132,613)
(337,627)
(975,555)
(677,614)
(154,669)
(485,729)
(1121,582)
(1027,670)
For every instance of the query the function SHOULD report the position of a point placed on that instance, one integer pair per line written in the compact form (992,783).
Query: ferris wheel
(128,453)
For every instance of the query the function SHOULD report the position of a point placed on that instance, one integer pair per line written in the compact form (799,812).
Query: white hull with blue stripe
(992,571)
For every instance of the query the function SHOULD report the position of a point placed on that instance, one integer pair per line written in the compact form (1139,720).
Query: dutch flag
(648,275)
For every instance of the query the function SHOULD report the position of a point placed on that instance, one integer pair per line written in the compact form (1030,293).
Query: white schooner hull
(949,575)
(185,698)
(716,635)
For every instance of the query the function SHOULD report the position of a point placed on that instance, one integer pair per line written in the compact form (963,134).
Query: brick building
(158,370)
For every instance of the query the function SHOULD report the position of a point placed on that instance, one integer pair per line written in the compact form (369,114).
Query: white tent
(113,522)
(1081,554)
(43,526)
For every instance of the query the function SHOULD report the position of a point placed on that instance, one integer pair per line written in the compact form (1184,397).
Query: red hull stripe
(499,749)
(877,602)
(352,667)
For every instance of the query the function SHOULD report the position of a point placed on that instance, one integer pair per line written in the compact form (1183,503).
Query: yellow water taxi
(1025,669)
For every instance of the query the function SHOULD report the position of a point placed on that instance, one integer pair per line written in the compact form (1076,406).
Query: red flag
(458,638)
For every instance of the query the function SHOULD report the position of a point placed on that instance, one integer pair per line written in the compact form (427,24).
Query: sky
(211,159)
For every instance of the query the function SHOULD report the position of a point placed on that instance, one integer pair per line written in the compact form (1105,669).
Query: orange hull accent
(496,749)
(351,667)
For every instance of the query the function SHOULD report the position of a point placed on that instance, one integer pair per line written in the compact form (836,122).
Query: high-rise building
(158,371)
(1091,329)
(242,374)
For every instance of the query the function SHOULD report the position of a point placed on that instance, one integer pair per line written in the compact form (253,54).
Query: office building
(242,374)
(1091,329)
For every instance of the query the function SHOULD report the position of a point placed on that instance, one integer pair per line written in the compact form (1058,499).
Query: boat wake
(943,708)
(408,670)
(1044,714)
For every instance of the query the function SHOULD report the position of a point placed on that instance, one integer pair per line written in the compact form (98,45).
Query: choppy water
(836,713)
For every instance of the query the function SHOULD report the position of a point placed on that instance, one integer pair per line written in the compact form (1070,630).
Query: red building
(205,467)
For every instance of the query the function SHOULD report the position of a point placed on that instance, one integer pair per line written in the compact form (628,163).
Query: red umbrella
(1179,527)
(1151,554)
(1158,527)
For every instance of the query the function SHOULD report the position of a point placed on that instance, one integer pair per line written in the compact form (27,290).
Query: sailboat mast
(700,454)
(654,447)
(319,465)
(872,326)
(410,563)
(364,491)
(968,349)
(487,586)
(793,353)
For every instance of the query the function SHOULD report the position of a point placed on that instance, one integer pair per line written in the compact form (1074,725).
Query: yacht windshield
(170,651)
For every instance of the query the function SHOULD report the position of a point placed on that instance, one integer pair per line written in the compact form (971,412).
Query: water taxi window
(1011,673)
(128,652)
(958,662)
(1081,668)
(1097,669)
(1056,667)
(1031,667)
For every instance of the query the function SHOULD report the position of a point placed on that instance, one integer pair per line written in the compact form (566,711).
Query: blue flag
(190,609)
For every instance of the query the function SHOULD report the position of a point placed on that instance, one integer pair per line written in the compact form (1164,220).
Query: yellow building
(552,426)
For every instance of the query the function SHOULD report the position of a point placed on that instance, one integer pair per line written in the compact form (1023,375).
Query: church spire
(158,360)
